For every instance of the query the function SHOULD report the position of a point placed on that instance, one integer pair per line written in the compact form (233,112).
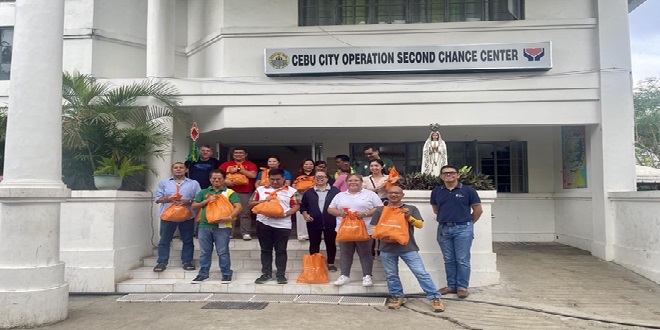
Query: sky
(645,40)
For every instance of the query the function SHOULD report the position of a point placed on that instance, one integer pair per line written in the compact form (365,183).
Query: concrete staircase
(247,267)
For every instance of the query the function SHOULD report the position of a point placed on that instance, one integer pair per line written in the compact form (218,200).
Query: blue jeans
(219,236)
(390,261)
(455,243)
(167,229)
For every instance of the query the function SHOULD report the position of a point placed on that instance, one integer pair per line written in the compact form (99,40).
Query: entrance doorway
(291,156)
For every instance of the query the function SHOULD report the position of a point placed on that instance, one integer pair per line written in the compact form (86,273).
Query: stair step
(252,273)
(245,286)
(246,264)
(239,244)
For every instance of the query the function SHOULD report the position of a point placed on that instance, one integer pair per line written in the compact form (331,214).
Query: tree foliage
(647,122)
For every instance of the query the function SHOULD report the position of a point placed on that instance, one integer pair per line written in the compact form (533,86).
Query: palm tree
(100,120)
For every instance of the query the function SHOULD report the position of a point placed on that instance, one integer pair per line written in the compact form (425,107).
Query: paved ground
(544,286)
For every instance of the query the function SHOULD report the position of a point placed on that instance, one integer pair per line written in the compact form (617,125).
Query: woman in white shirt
(364,202)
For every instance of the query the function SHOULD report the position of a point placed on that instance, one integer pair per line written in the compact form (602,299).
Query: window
(350,12)
(6,42)
(505,162)
(407,157)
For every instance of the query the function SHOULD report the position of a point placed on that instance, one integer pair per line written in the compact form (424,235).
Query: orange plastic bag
(314,270)
(303,183)
(263,181)
(271,208)
(393,178)
(176,212)
(237,179)
(392,226)
(352,229)
(220,208)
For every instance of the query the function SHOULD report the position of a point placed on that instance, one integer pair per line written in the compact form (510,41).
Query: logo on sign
(534,54)
(278,60)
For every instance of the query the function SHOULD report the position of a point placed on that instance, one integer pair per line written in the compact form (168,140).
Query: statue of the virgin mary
(434,153)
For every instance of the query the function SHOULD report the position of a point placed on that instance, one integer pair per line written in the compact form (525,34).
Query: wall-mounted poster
(573,157)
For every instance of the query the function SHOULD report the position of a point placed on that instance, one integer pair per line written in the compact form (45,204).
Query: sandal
(160,268)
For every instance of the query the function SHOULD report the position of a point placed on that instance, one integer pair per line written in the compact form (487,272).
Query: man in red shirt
(240,165)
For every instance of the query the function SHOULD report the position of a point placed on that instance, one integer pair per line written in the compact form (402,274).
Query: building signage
(414,59)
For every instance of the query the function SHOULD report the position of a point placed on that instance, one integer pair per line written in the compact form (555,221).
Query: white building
(557,137)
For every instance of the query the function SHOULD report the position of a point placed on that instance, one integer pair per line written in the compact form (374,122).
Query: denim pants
(455,243)
(273,238)
(167,229)
(219,236)
(412,259)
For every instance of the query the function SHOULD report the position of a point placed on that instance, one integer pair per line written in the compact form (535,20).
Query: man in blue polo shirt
(457,207)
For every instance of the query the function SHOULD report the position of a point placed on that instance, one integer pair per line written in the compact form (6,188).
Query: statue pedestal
(484,260)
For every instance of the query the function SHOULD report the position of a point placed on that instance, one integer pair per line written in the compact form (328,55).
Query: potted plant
(110,174)
(420,181)
(101,121)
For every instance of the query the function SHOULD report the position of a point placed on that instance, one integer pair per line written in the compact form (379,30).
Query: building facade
(557,140)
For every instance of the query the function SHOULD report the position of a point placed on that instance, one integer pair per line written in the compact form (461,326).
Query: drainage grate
(362,301)
(235,305)
(281,298)
(142,297)
(186,297)
(230,297)
(312,299)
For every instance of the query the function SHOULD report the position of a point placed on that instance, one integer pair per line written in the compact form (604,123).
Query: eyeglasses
(394,193)
(448,173)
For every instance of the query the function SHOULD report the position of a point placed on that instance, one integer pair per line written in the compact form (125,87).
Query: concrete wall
(104,234)
(637,239)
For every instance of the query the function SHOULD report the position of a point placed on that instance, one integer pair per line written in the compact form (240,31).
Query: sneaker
(247,237)
(263,279)
(281,279)
(447,290)
(200,279)
(342,280)
(332,268)
(303,238)
(188,266)
(396,302)
(367,281)
(462,293)
(226,279)
(437,306)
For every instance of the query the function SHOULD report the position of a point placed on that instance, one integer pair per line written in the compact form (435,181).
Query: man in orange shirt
(241,165)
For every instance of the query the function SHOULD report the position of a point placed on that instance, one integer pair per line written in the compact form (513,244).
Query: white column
(160,64)
(160,38)
(612,161)
(32,286)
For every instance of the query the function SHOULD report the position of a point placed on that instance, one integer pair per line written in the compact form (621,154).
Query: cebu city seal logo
(278,60)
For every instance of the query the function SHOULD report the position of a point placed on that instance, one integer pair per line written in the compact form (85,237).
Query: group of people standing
(322,201)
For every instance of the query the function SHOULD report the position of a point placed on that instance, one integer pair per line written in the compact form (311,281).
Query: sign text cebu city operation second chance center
(420,59)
